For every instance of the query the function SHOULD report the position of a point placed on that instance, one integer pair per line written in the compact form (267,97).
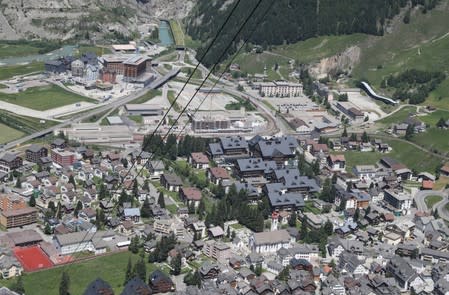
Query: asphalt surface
(103,107)
(422,195)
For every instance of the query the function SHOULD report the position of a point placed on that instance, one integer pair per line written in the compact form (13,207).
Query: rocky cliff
(65,19)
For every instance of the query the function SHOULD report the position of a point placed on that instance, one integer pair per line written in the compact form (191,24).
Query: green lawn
(8,134)
(110,268)
(178,35)
(433,139)
(432,200)
(171,98)
(44,98)
(7,72)
(399,116)
(13,50)
(434,117)
(23,123)
(405,153)
(188,71)
(98,50)
(148,96)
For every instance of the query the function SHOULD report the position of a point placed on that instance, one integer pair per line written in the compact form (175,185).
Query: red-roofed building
(319,148)
(427,185)
(190,194)
(217,174)
(199,160)
(336,162)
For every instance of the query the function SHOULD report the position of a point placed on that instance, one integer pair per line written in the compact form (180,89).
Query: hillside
(81,19)
(421,44)
(292,21)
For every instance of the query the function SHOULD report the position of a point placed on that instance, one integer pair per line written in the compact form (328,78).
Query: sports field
(111,268)
(32,258)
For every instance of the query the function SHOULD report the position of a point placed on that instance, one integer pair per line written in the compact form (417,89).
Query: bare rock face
(340,63)
(65,19)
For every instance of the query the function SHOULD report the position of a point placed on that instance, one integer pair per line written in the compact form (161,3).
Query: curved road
(420,197)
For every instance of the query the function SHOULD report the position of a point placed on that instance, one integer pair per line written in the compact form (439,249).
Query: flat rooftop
(123,47)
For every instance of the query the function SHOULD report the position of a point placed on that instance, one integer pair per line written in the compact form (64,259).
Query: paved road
(422,195)
(103,107)
(441,208)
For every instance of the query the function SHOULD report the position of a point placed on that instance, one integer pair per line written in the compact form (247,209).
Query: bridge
(370,91)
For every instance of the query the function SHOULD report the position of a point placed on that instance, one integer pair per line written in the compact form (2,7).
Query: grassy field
(403,152)
(434,117)
(148,96)
(44,98)
(188,71)
(8,134)
(433,139)
(98,50)
(110,268)
(171,98)
(399,116)
(23,123)
(15,50)
(432,200)
(441,183)
(178,34)
(7,72)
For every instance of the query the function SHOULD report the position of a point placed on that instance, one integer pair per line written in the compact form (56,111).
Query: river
(165,34)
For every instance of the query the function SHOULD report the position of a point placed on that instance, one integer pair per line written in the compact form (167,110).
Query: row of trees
(172,148)
(138,270)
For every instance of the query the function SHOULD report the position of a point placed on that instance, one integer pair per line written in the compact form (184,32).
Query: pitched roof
(273,237)
(136,286)
(219,172)
(34,148)
(99,287)
(191,193)
(337,158)
(200,158)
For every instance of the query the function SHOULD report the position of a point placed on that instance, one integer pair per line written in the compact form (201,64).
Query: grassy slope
(8,134)
(421,44)
(178,34)
(15,50)
(110,268)
(43,98)
(7,72)
(403,152)
(148,96)
(399,116)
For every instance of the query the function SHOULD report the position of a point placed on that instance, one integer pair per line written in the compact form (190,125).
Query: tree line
(413,85)
(290,21)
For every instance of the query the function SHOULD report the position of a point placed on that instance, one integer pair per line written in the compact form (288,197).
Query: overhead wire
(172,105)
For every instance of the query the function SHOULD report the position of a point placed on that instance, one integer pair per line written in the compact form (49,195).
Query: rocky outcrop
(64,19)
(341,63)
